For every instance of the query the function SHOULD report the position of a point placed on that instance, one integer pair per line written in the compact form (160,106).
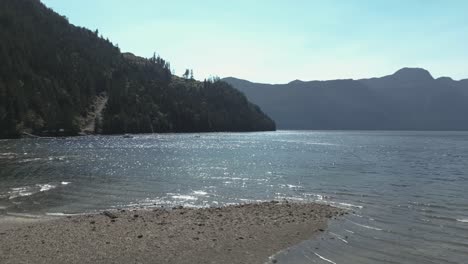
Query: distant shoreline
(248,233)
(31,136)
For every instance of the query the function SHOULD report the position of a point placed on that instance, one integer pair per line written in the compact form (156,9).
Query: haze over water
(406,191)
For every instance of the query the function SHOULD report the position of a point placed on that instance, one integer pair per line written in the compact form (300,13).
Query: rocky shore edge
(246,233)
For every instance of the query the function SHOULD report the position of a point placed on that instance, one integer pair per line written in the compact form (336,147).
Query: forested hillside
(51,72)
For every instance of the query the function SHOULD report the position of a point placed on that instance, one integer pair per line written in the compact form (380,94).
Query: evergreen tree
(186,74)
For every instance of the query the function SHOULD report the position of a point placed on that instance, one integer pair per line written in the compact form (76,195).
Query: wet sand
(249,233)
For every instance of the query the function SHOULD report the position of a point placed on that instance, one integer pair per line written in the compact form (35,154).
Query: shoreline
(246,233)
(26,135)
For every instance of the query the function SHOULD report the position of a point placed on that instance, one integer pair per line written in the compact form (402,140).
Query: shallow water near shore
(407,189)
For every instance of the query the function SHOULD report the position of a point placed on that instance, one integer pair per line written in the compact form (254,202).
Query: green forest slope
(51,73)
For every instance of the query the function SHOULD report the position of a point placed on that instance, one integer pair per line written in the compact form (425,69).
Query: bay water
(406,192)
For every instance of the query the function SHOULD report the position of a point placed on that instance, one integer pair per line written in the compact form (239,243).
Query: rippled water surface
(407,192)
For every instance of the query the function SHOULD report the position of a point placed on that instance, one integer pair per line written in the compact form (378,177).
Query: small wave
(46,187)
(463,220)
(323,258)
(251,201)
(399,185)
(441,217)
(366,226)
(184,197)
(318,197)
(444,179)
(351,205)
(7,155)
(345,205)
(200,193)
(65,183)
(60,214)
(61,158)
(307,143)
(165,202)
(29,160)
(24,191)
(229,178)
(321,144)
(238,179)
(339,237)
(290,198)
(19,192)
(290,186)
(52,158)
(431,205)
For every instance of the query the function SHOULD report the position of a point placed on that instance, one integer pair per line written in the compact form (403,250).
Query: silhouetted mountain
(409,99)
(55,78)
(412,75)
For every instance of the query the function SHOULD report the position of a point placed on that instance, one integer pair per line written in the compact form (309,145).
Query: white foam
(315,197)
(57,158)
(65,183)
(323,258)
(20,192)
(290,186)
(165,202)
(230,178)
(29,190)
(7,155)
(351,205)
(290,198)
(185,197)
(46,187)
(60,214)
(29,160)
(251,201)
(463,220)
(55,214)
(201,193)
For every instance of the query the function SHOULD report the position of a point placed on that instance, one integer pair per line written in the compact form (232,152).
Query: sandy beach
(248,233)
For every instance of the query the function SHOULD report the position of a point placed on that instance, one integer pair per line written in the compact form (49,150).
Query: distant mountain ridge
(409,99)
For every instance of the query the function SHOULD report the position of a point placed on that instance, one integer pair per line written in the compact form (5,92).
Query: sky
(277,41)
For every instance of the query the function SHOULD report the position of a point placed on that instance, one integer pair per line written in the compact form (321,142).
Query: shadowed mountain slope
(409,99)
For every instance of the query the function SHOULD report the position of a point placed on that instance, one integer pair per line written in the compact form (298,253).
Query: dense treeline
(146,98)
(51,71)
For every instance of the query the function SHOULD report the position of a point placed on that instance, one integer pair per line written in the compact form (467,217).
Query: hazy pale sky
(276,41)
